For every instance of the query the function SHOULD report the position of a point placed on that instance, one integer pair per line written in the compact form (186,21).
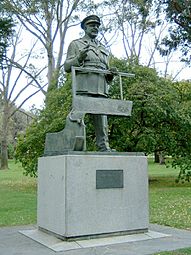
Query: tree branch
(17,65)
(24,101)
(34,33)
(23,68)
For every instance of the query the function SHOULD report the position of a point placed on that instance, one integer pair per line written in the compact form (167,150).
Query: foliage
(161,117)
(131,21)
(179,14)
(48,22)
(146,129)
(160,121)
(30,145)
(6,30)
(181,152)
(12,90)
(17,124)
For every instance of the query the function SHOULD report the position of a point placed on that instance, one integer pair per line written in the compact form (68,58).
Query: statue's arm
(72,58)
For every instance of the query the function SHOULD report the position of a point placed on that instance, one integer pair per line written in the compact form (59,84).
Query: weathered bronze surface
(88,60)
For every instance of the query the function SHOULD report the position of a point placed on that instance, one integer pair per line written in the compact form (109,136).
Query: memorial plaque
(102,106)
(109,179)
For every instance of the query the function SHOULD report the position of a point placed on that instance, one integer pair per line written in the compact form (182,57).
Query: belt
(95,64)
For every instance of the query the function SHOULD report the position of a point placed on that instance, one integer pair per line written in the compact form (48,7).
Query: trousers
(101,131)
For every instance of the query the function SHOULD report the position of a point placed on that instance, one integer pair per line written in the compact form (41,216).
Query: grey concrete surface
(56,244)
(70,203)
(14,243)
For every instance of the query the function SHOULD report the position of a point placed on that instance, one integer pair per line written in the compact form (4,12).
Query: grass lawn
(18,197)
(177,252)
(170,202)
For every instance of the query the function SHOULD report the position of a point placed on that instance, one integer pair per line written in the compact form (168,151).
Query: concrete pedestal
(92,194)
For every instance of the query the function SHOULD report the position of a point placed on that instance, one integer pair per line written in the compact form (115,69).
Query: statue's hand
(113,71)
(83,53)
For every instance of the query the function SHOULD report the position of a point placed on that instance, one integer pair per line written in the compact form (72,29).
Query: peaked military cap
(90,19)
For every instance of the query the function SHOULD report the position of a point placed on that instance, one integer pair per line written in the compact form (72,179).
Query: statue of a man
(88,52)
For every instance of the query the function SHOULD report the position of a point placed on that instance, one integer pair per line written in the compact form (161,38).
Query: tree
(139,132)
(49,22)
(137,30)
(133,22)
(178,12)
(181,153)
(30,145)
(160,120)
(12,89)
(17,124)
(6,30)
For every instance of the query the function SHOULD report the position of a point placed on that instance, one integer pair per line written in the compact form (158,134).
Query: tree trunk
(161,158)
(156,157)
(4,138)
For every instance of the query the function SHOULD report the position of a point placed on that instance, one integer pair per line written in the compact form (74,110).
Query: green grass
(170,202)
(18,197)
(177,252)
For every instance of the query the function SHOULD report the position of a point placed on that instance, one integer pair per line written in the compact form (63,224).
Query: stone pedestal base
(92,194)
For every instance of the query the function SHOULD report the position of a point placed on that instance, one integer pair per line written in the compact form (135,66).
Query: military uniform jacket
(97,57)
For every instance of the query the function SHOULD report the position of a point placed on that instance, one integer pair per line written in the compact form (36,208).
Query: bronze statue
(88,52)
(88,60)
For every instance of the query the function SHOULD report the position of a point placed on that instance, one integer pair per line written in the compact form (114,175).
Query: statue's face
(92,29)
